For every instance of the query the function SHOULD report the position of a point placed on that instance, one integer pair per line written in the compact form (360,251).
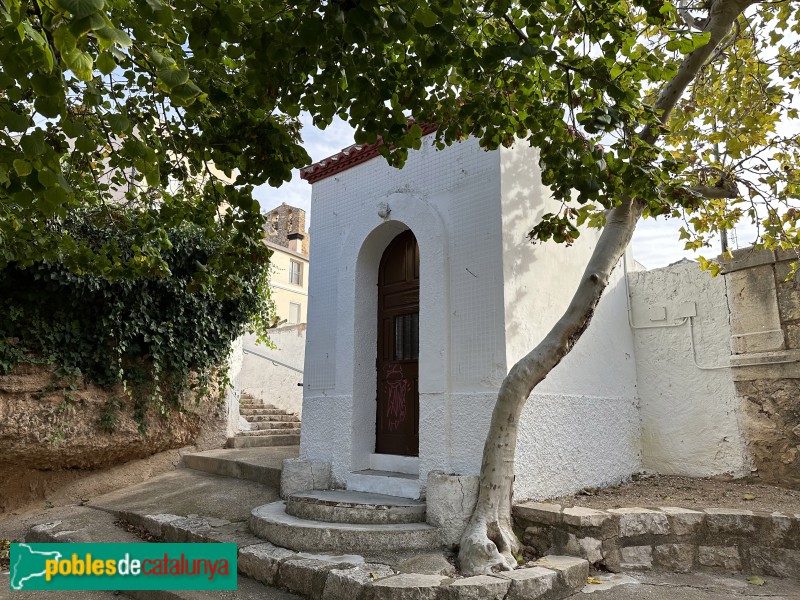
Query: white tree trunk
(489,541)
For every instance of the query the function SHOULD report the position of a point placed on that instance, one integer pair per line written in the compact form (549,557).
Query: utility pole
(723,233)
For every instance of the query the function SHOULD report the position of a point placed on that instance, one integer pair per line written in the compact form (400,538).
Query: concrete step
(290,431)
(276,425)
(272,523)
(255,464)
(273,418)
(261,411)
(261,441)
(391,483)
(342,506)
(189,492)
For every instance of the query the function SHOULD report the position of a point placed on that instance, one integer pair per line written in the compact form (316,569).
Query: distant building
(288,238)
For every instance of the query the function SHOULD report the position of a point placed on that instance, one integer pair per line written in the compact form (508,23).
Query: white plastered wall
(580,427)
(470,210)
(690,416)
(458,187)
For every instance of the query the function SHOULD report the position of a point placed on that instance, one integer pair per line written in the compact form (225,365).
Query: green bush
(160,336)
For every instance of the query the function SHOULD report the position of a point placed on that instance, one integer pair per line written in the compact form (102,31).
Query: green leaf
(106,63)
(82,26)
(119,123)
(33,144)
(80,8)
(86,144)
(22,167)
(186,91)
(426,17)
(47,86)
(110,35)
(79,63)
(47,178)
(52,198)
(173,77)
(49,106)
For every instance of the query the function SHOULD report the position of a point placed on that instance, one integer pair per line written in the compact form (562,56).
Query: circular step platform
(343,506)
(272,523)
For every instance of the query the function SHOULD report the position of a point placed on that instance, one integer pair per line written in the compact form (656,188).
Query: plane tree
(638,108)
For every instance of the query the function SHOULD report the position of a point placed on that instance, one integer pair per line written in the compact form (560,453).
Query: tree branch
(689,19)
(721,16)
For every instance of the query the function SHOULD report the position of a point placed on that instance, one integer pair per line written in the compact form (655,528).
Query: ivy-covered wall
(99,367)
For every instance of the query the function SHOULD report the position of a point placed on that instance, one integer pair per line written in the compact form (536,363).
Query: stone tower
(286,226)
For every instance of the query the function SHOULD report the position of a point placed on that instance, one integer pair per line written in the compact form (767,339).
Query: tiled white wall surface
(462,184)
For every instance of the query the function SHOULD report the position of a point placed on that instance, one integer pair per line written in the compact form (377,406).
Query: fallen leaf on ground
(594,580)
(755,580)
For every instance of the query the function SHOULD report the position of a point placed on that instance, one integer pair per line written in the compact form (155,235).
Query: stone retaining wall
(765,346)
(668,538)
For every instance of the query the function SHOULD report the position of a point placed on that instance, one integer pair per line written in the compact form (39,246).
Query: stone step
(272,523)
(247,589)
(254,464)
(391,483)
(289,431)
(82,524)
(262,441)
(261,411)
(256,404)
(275,425)
(342,506)
(274,418)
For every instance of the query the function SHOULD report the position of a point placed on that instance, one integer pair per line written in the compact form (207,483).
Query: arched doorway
(397,420)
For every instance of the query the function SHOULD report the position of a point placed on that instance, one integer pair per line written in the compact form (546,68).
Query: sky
(655,242)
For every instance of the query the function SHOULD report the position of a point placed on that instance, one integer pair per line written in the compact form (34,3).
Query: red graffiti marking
(396,393)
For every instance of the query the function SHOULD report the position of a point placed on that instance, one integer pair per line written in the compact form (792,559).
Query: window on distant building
(294,312)
(296,272)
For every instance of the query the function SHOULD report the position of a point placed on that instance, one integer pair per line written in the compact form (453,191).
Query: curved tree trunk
(489,541)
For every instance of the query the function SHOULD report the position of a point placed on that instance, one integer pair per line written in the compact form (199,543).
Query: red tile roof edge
(347,159)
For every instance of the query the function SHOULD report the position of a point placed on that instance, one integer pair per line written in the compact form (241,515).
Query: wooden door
(397,422)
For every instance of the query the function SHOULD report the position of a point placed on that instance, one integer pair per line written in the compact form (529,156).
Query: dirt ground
(688,492)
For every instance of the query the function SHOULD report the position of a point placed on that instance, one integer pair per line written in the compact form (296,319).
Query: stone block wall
(765,348)
(667,538)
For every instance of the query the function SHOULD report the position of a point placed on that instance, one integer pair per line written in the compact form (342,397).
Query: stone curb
(349,577)
(666,538)
(333,578)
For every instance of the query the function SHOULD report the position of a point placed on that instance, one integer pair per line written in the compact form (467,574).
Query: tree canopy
(180,108)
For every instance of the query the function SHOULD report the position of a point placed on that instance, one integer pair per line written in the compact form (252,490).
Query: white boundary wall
(271,383)
(690,416)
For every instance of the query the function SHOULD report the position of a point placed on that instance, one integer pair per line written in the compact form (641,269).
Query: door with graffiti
(397,422)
